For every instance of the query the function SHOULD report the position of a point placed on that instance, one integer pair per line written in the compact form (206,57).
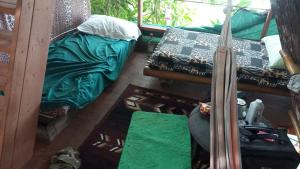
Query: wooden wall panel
(17,83)
(33,81)
(27,83)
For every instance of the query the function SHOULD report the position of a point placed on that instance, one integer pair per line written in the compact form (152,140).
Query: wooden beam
(140,13)
(8,122)
(140,20)
(33,81)
(18,62)
(289,63)
(153,28)
(266,25)
(27,82)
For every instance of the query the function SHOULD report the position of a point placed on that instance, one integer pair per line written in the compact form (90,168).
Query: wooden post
(140,13)
(140,20)
(290,66)
(27,83)
(266,25)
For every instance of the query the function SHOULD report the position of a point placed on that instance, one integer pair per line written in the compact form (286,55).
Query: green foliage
(239,4)
(126,9)
(153,10)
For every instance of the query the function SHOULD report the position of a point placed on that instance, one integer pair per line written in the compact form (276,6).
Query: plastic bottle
(242,108)
(255,112)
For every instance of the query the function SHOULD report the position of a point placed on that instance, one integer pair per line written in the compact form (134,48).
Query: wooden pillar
(27,82)
(288,20)
(140,13)
(266,25)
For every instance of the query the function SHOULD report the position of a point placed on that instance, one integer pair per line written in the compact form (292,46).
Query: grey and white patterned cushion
(7,22)
(192,52)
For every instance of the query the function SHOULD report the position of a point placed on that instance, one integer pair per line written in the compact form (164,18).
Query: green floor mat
(157,141)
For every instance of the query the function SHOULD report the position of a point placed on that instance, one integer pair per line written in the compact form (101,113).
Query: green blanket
(79,67)
(157,141)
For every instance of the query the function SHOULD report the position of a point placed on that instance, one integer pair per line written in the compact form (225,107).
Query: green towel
(157,141)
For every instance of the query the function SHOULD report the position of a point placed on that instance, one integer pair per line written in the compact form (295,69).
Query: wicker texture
(69,14)
(288,17)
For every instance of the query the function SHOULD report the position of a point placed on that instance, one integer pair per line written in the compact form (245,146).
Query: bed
(80,66)
(187,56)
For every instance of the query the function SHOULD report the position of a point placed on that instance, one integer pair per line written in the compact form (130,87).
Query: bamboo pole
(266,25)
(290,65)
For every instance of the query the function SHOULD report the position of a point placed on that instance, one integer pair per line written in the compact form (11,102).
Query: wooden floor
(83,123)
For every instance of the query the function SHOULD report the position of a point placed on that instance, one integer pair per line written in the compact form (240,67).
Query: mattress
(192,52)
(79,67)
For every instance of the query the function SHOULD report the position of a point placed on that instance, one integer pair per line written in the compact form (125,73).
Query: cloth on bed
(79,67)
(192,52)
(157,141)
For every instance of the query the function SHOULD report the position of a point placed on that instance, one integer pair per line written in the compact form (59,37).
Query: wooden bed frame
(205,80)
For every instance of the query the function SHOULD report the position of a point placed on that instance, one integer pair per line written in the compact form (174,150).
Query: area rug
(103,147)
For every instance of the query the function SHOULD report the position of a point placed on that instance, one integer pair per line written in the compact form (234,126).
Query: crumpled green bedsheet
(79,67)
(157,141)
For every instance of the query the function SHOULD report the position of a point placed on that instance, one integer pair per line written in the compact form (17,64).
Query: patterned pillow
(69,14)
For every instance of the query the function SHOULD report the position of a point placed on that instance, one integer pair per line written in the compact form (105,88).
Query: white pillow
(110,27)
(273,46)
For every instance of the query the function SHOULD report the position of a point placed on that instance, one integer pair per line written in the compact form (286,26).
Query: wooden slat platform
(5,41)
(8,6)
(3,81)
(4,69)
(204,80)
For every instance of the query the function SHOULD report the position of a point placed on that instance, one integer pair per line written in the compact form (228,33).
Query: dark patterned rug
(103,148)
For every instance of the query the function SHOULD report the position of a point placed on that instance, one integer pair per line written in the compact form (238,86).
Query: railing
(162,29)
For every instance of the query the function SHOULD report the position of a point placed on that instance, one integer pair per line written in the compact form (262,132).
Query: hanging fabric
(224,136)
